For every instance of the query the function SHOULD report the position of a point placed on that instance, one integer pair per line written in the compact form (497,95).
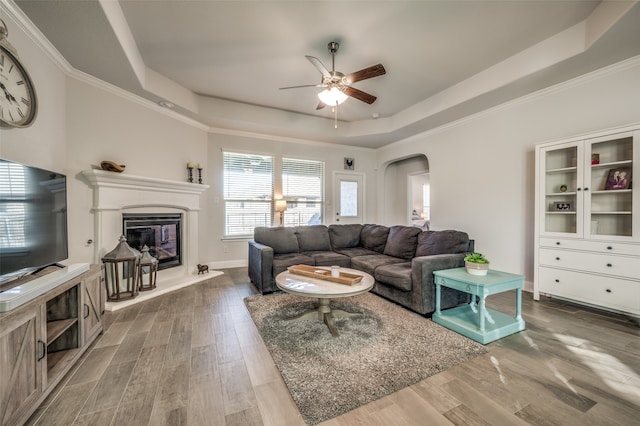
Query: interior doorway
(399,200)
(419,191)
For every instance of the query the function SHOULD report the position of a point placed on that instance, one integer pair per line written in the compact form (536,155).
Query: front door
(348,199)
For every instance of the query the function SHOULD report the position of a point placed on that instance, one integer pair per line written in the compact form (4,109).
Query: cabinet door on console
(92,304)
(22,353)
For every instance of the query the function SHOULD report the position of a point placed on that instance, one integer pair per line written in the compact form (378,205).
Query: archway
(399,200)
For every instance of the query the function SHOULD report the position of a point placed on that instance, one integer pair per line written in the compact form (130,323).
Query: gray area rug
(378,353)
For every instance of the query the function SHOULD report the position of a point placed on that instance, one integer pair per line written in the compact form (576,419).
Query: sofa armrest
(422,269)
(260,266)
(427,264)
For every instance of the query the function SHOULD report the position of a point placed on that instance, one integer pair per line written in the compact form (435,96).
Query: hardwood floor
(194,357)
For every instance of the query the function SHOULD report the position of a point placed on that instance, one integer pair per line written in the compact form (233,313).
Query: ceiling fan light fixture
(333,96)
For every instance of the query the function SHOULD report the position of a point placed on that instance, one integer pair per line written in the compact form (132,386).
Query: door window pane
(348,198)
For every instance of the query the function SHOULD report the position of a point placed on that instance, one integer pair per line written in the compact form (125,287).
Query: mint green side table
(475,320)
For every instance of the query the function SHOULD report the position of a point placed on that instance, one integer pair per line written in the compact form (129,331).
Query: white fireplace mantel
(118,193)
(117,190)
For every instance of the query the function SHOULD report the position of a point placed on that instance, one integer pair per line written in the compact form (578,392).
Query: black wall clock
(18,102)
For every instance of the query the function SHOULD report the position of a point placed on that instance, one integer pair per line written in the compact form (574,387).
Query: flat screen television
(33,219)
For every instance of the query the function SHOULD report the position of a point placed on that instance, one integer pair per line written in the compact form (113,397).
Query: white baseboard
(238,263)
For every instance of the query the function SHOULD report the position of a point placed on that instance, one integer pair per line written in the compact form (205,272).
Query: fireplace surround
(160,232)
(118,194)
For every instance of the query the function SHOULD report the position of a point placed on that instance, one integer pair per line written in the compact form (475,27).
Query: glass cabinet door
(610,196)
(562,186)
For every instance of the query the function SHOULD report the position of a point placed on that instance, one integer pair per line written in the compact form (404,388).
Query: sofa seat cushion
(345,236)
(356,251)
(282,261)
(374,237)
(328,258)
(396,275)
(402,241)
(281,239)
(369,263)
(313,238)
(442,242)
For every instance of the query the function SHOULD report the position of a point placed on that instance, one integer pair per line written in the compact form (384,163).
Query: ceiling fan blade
(363,74)
(320,105)
(316,63)
(304,85)
(359,94)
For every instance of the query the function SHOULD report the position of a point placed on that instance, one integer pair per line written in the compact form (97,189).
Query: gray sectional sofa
(400,258)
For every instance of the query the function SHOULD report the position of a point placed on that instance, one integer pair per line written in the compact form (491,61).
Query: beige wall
(482,167)
(332,155)
(43,144)
(83,121)
(102,125)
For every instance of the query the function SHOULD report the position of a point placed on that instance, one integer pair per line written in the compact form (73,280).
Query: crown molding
(25,24)
(556,88)
(29,28)
(284,139)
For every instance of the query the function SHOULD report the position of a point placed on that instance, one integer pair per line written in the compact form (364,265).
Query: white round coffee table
(324,291)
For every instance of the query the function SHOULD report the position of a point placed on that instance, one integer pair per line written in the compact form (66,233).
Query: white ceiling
(223,62)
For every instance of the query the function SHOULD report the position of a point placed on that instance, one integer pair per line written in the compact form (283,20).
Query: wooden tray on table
(324,274)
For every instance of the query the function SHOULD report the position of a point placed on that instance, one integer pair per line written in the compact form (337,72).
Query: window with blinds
(302,188)
(13,192)
(248,192)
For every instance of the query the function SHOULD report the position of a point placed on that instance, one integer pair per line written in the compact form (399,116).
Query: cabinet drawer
(588,245)
(608,292)
(621,266)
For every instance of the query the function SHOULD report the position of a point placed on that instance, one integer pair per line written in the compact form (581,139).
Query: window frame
(302,202)
(259,198)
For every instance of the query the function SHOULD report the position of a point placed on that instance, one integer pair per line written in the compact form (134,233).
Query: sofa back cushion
(345,236)
(442,242)
(402,241)
(374,237)
(313,238)
(281,240)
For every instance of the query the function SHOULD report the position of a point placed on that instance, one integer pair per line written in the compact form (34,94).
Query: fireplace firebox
(160,232)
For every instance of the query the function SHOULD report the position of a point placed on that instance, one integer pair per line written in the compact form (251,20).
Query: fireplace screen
(159,232)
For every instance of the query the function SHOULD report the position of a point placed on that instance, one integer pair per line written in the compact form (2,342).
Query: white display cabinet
(586,219)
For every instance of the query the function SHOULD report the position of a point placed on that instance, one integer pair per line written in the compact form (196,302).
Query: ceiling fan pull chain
(335,119)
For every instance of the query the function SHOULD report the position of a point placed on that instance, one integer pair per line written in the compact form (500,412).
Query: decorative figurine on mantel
(203,269)
(111,166)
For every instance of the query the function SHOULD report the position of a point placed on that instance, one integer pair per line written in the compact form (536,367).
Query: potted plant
(476,264)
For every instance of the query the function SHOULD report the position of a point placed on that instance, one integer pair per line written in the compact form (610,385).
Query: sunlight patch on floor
(530,341)
(496,365)
(558,375)
(611,370)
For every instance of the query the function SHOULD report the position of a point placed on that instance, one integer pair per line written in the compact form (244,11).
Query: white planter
(476,268)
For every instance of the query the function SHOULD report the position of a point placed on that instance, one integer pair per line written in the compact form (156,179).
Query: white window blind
(13,192)
(302,188)
(248,192)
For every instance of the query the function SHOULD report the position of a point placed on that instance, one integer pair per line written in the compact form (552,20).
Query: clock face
(17,95)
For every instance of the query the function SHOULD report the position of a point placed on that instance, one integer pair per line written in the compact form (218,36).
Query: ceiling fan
(337,86)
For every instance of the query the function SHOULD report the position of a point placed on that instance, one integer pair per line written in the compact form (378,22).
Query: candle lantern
(190,172)
(199,173)
(121,271)
(148,270)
